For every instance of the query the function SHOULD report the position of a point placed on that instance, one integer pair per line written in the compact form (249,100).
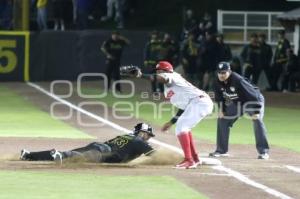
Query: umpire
(235,96)
(113,48)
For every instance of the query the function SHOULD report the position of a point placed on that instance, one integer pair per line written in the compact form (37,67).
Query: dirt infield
(210,182)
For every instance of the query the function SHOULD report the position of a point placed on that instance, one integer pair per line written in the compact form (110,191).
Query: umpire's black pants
(231,115)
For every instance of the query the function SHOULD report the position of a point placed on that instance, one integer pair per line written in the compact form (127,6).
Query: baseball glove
(132,71)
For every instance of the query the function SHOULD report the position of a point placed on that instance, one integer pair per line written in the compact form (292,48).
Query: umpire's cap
(144,128)
(223,66)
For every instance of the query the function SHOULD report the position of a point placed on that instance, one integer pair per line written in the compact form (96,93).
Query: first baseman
(193,105)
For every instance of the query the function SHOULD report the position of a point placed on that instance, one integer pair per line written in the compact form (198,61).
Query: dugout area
(52,55)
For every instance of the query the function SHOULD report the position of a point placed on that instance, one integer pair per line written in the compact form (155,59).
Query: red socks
(193,148)
(185,143)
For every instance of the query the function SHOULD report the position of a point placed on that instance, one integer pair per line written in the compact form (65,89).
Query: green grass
(282,123)
(48,185)
(20,118)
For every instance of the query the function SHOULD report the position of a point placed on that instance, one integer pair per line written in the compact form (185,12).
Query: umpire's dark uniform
(235,97)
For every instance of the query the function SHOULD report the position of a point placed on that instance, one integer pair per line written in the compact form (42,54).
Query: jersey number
(120,142)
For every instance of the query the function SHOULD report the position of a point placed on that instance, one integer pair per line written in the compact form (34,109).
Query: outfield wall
(51,55)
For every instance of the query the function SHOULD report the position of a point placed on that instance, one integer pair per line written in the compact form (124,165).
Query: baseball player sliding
(193,105)
(120,149)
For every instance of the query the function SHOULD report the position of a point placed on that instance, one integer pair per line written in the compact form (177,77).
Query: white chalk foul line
(250,182)
(100,119)
(295,169)
(231,172)
(216,174)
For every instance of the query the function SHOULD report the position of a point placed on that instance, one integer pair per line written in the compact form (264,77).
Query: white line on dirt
(229,171)
(295,169)
(216,174)
(250,182)
(100,119)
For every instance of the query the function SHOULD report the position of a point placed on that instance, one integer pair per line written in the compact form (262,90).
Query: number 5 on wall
(14,55)
(7,53)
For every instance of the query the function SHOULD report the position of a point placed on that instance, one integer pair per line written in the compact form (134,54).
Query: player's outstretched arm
(135,71)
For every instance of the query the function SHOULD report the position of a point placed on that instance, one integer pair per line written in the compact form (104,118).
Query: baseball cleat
(218,154)
(57,156)
(23,154)
(263,156)
(197,161)
(186,164)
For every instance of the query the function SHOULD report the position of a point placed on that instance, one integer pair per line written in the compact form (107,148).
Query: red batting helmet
(164,65)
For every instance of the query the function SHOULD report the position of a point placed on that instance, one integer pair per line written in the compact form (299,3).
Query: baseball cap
(164,65)
(223,66)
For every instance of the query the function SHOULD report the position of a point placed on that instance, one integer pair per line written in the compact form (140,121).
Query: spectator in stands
(251,56)
(225,51)
(235,65)
(205,25)
(58,14)
(118,6)
(190,51)
(82,11)
(290,68)
(152,53)
(280,59)
(112,49)
(6,14)
(210,58)
(42,14)
(169,49)
(266,55)
(189,23)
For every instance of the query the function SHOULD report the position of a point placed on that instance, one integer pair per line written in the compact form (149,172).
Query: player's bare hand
(255,116)
(185,61)
(110,57)
(247,65)
(221,114)
(166,126)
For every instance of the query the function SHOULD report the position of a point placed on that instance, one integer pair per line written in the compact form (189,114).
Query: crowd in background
(198,49)
(6,7)
(83,11)
(76,14)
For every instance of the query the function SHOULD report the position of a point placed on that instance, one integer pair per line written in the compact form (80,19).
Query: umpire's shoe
(217,154)
(23,155)
(57,156)
(263,156)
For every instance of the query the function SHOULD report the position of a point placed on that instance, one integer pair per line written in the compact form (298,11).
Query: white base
(210,161)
